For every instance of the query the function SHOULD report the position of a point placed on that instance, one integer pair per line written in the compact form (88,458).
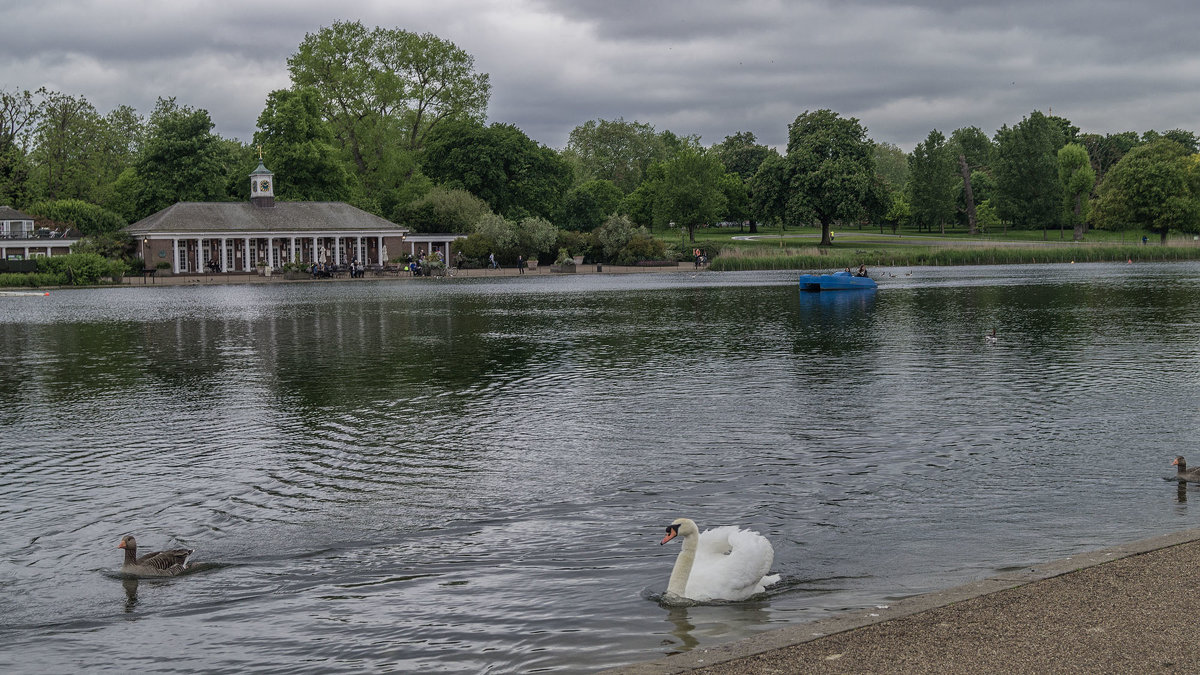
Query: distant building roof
(9,213)
(234,217)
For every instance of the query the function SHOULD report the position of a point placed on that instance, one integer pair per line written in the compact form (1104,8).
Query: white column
(337,250)
(175,255)
(379,251)
(293,239)
(199,250)
(246,266)
(222,259)
(315,256)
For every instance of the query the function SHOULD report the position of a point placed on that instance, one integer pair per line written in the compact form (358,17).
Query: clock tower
(262,185)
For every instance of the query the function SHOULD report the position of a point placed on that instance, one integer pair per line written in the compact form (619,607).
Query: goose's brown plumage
(1183,473)
(159,563)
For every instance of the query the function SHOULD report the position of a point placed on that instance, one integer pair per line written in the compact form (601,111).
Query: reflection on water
(473,475)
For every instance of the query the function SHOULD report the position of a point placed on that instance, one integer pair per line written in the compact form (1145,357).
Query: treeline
(394,123)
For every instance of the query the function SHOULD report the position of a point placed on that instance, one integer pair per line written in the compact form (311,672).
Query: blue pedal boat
(838,281)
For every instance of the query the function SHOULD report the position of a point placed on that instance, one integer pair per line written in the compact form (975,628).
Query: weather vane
(260,152)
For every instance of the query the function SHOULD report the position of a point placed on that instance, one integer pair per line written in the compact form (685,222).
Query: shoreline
(1125,608)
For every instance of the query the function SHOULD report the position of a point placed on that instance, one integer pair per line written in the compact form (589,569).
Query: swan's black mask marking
(672,532)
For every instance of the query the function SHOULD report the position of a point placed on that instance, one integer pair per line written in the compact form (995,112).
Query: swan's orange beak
(672,532)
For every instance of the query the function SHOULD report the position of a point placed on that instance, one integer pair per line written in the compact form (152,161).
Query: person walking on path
(492,261)
(520,265)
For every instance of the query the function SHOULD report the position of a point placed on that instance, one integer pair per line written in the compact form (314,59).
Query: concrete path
(1128,609)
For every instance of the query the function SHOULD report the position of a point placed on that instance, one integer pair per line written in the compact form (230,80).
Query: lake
(473,475)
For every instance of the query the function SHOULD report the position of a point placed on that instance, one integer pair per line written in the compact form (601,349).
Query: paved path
(1129,609)
(244,278)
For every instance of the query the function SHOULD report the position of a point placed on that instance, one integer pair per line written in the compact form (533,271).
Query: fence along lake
(473,475)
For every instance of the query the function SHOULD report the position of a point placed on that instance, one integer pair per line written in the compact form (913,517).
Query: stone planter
(532,264)
(563,269)
(578,260)
(294,275)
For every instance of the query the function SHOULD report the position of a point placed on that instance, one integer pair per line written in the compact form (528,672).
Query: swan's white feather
(731,564)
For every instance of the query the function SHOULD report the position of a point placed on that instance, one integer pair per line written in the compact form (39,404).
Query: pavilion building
(236,237)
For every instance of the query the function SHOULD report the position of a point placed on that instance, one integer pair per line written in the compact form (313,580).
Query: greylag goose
(1183,473)
(156,564)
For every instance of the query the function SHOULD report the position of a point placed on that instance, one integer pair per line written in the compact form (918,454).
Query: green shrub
(78,269)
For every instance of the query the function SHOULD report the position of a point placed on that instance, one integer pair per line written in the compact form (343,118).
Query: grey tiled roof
(245,217)
(9,213)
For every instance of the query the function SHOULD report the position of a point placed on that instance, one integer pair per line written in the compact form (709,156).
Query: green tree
(383,91)
(892,164)
(1077,177)
(182,159)
(972,150)
(689,193)
(931,182)
(741,154)
(536,236)
(1026,169)
(298,144)
(1153,187)
(587,205)
(615,150)
(88,218)
(770,189)
(442,210)
(832,165)
(1107,150)
(67,147)
(516,176)
(1185,138)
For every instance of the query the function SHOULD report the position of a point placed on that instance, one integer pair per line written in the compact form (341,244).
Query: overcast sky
(711,68)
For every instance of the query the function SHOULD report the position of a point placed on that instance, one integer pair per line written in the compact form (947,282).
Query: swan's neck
(683,567)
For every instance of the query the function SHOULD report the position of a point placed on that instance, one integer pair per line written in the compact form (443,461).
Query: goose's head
(681,527)
(1180,463)
(128,542)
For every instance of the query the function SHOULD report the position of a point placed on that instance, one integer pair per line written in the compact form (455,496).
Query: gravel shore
(1126,609)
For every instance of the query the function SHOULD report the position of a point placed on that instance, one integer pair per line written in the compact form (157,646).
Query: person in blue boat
(862,271)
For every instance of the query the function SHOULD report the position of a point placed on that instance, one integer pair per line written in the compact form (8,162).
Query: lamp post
(145,257)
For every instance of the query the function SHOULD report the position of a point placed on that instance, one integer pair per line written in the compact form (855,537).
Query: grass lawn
(796,248)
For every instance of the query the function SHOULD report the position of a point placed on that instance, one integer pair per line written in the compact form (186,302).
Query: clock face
(264,186)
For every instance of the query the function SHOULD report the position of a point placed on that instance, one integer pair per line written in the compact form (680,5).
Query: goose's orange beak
(122,544)
(1174,462)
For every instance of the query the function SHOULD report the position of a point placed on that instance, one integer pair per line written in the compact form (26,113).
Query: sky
(710,68)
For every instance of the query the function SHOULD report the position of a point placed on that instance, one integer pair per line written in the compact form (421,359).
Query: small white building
(21,239)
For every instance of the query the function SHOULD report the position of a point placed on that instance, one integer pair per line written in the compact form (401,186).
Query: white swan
(726,563)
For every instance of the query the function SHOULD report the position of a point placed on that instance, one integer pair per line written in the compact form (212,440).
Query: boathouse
(240,237)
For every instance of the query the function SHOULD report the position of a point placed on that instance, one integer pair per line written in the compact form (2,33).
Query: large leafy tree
(442,210)
(1107,150)
(932,181)
(515,175)
(1026,170)
(1154,187)
(586,206)
(741,154)
(1077,177)
(616,150)
(298,144)
(891,163)
(384,91)
(67,143)
(972,151)
(18,115)
(183,160)
(770,189)
(689,192)
(832,165)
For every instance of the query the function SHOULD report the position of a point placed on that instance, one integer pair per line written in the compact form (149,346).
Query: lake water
(473,475)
